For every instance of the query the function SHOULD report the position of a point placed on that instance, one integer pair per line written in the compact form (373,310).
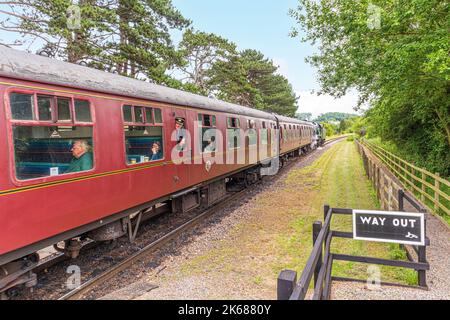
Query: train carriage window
(143,138)
(45,108)
(39,152)
(139,114)
(43,149)
(148,115)
(207,120)
(252,134)
(63,105)
(143,144)
(233,133)
(22,106)
(127,114)
(82,111)
(207,134)
(233,123)
(158,115)
(264,136)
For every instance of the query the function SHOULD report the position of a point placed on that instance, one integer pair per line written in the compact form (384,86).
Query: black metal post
(286,284)
(422,257)
(401,194)
(326,208)
(317,226)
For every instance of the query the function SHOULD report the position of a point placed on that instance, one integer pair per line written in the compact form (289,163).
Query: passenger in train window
(82,157)
(180,133)
(156,151)
(211,146)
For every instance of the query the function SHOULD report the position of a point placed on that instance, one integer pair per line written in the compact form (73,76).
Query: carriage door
(181,147)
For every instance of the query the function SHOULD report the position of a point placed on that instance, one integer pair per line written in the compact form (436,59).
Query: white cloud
(311,102)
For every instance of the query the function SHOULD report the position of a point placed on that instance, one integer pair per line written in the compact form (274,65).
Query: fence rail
(320,263)
(433,190)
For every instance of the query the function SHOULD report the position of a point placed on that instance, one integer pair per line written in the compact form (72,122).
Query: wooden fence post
(400,196)
(317,226)
(436,193)
(286,282)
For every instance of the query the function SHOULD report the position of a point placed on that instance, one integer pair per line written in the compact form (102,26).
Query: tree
(128,37)
(396,54)
(201,50)
(250,79)
(140,45)
(330,129)
(62,31)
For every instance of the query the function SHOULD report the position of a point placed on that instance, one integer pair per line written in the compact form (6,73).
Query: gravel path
(438,277)
(171,281)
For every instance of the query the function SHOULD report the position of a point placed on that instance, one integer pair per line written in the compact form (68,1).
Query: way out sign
(388,226)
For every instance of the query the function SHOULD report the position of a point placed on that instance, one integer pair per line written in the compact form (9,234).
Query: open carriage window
(263,134)
(42,151)
(143,133)
(207,133)
(233,133)
(53,143)
(252,134)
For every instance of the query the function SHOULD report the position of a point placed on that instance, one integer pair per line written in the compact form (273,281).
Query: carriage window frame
(233,123)
(36,122)
(144,124)
(236,122)
(212,120)
(202,124)
(251,125)
(144,109)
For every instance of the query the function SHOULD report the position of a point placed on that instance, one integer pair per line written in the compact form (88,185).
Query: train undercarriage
(20,273)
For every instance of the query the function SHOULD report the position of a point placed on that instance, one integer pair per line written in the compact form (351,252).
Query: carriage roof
(27,66)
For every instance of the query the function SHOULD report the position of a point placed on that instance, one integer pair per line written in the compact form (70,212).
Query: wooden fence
(320,263)
(432,190)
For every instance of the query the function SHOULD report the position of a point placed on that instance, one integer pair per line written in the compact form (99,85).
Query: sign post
(389,226)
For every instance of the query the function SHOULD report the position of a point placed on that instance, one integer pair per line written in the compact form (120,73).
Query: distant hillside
(334,117)
(304,116)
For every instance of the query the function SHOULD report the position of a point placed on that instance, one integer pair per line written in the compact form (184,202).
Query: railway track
(92,283)
(150,248)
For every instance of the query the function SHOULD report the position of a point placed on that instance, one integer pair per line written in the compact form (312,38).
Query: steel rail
(87,286)
(153,246)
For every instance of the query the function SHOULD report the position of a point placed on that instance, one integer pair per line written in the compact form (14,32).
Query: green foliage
(396,252)
(144,48)
(401,67)
(128,37)
(330,129)
(250,79)
(200,51)
(133,38)
(334,116)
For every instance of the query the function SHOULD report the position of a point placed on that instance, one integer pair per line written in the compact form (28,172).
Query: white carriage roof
(27,66)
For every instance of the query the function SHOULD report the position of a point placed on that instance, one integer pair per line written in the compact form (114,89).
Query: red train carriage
(131,140)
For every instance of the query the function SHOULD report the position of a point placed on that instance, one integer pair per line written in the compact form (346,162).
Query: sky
(264,25)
